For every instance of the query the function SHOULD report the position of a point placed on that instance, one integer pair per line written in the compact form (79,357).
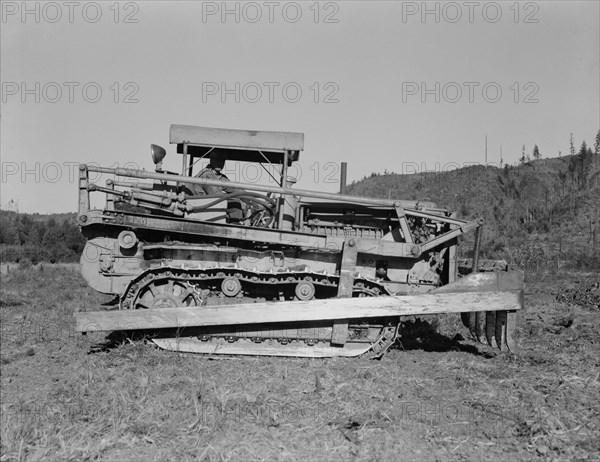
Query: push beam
(313,310)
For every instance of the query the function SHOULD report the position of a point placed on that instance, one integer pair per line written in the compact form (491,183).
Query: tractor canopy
(239,145)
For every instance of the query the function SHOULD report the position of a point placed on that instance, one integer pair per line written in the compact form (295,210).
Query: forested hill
(555,201)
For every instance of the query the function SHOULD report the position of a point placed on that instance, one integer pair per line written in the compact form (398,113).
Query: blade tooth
(501,330)
(490,328)
(511,330)
(472,323)
(480,327)
(464,317)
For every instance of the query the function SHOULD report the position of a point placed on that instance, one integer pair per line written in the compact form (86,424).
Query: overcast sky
(381,85)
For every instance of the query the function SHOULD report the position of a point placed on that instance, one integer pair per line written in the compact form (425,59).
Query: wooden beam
(403,223)
(313,310)
(339,334)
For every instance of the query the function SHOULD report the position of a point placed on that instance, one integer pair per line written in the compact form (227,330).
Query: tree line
(36,238)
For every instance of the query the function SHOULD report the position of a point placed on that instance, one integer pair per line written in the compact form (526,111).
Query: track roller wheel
(305,290)
(231,286)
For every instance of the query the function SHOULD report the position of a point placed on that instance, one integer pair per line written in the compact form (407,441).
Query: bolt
(351,242)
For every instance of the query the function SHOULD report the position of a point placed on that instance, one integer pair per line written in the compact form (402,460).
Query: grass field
(435,396)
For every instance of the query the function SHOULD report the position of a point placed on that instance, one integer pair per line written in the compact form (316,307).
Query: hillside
(550,206)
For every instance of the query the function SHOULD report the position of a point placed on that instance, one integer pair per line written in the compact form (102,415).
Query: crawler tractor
(293,273)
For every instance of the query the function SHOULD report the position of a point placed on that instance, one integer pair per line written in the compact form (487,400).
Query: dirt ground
(435,396)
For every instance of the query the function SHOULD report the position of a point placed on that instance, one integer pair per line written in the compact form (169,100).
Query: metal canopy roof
(241,145)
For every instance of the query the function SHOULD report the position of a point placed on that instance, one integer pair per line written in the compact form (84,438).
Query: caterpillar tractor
(214,266)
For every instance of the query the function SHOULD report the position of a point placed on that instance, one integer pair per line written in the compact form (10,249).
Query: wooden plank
(403,223)
(345,286)
(452,263)
(313,310)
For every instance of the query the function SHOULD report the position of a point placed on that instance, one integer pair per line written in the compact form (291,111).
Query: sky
(397,86)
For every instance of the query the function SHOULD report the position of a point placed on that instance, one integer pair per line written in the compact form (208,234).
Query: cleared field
(435,396)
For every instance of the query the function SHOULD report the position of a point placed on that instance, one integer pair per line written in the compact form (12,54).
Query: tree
(536,152)
(584,164)
(572,145)
(597,143)
(522,159)
(572,169)
(562,176)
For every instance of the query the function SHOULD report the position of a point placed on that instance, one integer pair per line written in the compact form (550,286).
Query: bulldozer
(212,266)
